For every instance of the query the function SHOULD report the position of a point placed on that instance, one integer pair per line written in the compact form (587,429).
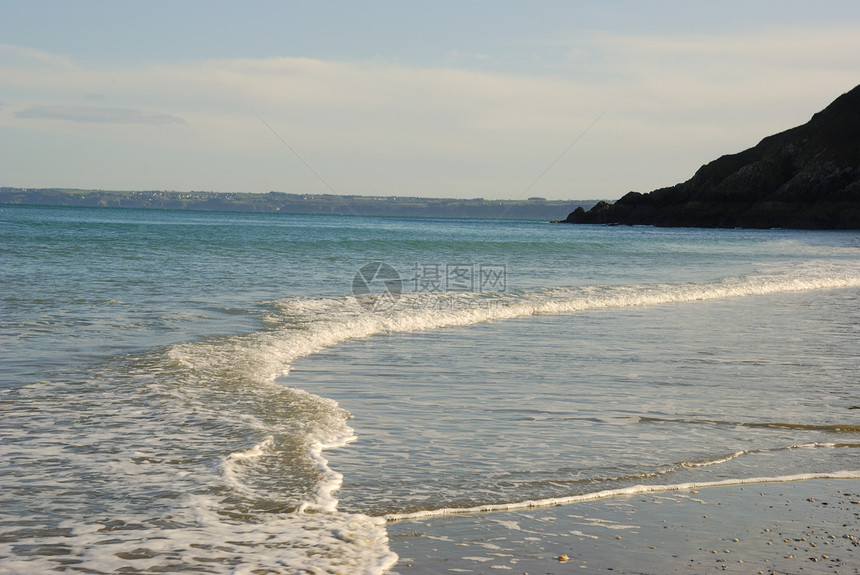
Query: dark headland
(807,177)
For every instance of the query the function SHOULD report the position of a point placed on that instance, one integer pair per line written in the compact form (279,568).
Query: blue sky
(445,99)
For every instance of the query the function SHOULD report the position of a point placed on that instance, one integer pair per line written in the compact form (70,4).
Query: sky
(462,99)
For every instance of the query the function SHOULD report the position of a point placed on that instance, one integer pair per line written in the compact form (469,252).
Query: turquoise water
(203,392)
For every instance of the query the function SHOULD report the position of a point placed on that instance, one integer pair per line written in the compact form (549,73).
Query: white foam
(715,461)
(304,326)
(310,325)
(257,451)
(632,490)
(814,446)
(326,502)
(309,543)
(313,324)
(737,454)
(231,465)
(581,534)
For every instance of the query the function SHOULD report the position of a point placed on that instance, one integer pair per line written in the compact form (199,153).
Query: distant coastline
(278,202)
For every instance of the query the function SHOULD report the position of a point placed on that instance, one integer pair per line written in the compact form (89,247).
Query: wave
(633,480)
(678,466)
(607,493)
(301,326)
(231,465)
(835,428)
(713,461)
(720,459)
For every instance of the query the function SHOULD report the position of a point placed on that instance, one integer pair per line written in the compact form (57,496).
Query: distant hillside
(806,177)
(531,209)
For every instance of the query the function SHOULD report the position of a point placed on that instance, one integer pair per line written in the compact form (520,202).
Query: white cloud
(375,127)
(97,114)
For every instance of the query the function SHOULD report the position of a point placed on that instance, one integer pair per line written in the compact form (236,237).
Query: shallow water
(555,406)
(202,391)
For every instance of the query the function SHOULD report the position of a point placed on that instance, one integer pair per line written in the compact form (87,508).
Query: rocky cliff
(806,177)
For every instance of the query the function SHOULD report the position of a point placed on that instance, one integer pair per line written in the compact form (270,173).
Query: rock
(807,177)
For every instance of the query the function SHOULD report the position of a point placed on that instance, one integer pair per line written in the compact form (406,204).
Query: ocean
(270,393)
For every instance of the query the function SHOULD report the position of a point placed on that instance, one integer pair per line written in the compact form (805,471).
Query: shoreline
(808,526)
(609,493)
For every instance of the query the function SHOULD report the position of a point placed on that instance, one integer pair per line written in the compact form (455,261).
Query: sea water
(235,393)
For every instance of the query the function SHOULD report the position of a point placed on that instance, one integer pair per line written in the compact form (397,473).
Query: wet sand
(797,527)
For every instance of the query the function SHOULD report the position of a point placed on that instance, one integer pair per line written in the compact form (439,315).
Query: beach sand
(795,527)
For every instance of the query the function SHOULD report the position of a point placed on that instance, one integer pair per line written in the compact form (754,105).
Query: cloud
(11,55)
(457,56)
(375,127)
(97,114)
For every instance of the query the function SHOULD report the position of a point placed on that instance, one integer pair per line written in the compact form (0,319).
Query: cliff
(806,177)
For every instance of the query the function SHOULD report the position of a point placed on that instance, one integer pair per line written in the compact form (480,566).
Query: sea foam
(607,493)
(301,326)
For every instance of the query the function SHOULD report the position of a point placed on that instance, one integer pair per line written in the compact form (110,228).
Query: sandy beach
(794,527)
